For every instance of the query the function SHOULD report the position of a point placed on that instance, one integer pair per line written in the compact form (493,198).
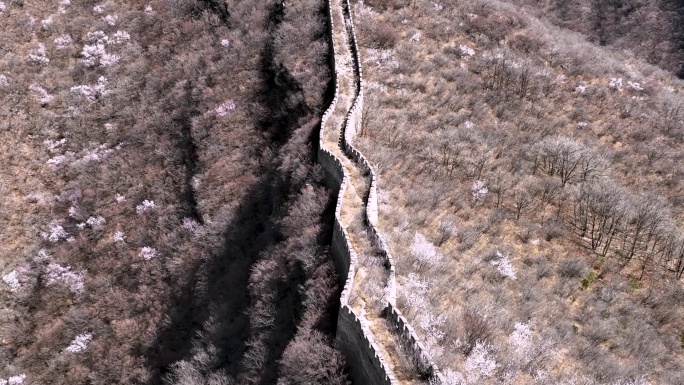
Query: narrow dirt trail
(367,297)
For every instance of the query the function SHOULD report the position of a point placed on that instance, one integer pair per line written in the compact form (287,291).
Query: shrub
(476,330)
(572,268)
(377,35)
(589,279)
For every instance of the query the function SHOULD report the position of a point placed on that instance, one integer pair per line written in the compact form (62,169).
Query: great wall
(376,339)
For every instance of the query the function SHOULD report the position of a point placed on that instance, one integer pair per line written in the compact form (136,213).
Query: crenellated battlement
(354,335)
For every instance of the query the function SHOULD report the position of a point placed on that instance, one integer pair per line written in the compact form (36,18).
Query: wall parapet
(355,340)
(354,331)
(412,343)
(354,337)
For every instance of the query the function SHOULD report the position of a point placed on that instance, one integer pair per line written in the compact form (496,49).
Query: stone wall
(412,344)
(367,364)
(354,338)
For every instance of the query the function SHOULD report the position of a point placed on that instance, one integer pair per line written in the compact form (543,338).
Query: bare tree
(499,185)
(646,216)
(522,200)
(567,159)
(599,213)
(447,229)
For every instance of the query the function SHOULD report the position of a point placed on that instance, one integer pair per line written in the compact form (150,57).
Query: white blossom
(414,290)
(225,43)
(43,96)
(120,198)
(540,375)
(190,224)
(2,7)
(424,251)
(12,280)
(92,92)
(91,53)
(96,154)
(615,83)
(480,363)
(110,20)
(119,237)
(43,255)
(110,127)
(59,159)
(225,108)
(98,9)
(635,86)
(415,38)
(466,51)
(503,264)
(148,253)
(109,59)
(80,343)
(580,89)
(95,53)
(120,37)
(453,378)
(144,206)
(148,10)
(46,23)
(62,41)
(521,337)
(65,276)
(98,36)
(432,327)
(479,190)
(4,81)
(53,144)
(14,380)
(96,221)
(55,232)
(37,55)
(74,211)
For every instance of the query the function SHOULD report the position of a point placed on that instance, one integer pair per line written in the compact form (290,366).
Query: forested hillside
(652,29)
(164,220)
(163,217)
(531,186)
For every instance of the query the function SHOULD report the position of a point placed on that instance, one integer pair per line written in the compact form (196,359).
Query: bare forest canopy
(530,186)
(163,217)
(164,221)
(652,29)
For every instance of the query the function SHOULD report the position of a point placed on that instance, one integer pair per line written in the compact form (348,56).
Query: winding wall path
(378,342)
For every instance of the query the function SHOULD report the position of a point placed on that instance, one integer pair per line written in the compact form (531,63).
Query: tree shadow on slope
(214,328)
(215,325)
(217,303)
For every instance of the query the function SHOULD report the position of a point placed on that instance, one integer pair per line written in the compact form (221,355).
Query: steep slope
(164,218)
(529,190)
(652,30)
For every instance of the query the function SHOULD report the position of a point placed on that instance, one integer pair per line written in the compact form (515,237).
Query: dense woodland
(531,186)
(164,220)
(652,29)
